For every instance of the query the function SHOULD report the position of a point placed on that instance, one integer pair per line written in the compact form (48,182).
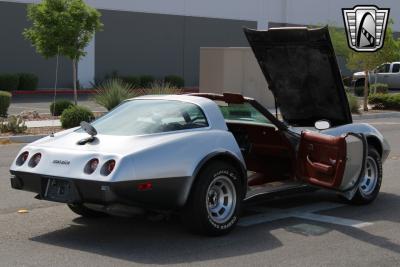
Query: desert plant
(13,124)
(27,81)
(132,80)
(5,100)
(159,88)
(57,108)
(353,103)
(112,92)
(74,115)
(113,75)
(9,82)
(146,81)
(385,101)
(175,81)
(378,88)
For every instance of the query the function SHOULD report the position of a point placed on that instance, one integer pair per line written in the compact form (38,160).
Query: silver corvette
(204,155)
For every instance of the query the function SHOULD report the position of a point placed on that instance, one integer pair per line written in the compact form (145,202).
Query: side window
(387,67)
(242,112)
(384,68)
(196,115)
(396,68)
(187,115)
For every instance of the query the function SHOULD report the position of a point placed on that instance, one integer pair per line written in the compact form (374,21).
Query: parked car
(204,155)
(387,73)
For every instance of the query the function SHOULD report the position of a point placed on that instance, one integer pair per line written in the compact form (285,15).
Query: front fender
(370,132)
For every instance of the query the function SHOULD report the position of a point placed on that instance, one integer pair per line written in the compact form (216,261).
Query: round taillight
(91,166)
(22,158)
(34,161)
(108,167)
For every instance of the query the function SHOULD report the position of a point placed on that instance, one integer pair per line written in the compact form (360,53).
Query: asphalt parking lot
(309,229)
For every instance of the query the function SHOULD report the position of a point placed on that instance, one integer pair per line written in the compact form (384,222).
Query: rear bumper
(165,193)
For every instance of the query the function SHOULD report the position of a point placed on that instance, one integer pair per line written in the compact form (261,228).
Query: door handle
(320,167)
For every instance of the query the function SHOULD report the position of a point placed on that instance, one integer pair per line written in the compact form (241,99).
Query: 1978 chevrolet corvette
(203,155)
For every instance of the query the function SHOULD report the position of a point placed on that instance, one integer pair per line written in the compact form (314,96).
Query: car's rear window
(139,117)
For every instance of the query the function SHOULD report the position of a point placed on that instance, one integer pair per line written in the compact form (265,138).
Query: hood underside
(300,67)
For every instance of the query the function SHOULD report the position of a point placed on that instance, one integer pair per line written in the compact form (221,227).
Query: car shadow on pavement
(382,210)
(164,242)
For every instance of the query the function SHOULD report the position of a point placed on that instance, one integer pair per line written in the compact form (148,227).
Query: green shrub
(14,124)
(74,115)
(112,92)
(9,82)
(385,101)
(353,103)
(134,81)
(146,81)
(347,81)
(57,108)
(28,81)
(348,89)
(175,81)
(5,100)
(378,88)
(359,91)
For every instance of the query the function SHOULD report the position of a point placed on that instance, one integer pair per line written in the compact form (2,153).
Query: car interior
(268,154)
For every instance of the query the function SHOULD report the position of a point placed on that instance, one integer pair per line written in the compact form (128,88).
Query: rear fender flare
(226,156)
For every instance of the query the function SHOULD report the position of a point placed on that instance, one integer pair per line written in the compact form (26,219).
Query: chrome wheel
(370,179)
(221,199)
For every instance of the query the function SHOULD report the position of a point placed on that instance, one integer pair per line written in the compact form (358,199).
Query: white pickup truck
(388,73)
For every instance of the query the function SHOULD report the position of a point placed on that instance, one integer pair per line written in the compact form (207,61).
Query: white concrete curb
(45,123)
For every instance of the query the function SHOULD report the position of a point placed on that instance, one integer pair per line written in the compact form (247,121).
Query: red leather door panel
(321,159)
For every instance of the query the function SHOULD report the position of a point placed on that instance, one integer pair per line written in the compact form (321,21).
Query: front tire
(370,184)
(214,205)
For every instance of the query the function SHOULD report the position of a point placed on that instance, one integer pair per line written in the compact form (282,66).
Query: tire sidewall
(231,222)
(196,211)
(363,198)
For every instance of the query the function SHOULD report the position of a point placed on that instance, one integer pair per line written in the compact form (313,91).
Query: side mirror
(322,125)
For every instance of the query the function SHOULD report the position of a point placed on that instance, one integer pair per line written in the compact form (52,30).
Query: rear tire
(370,184)
(214,205)
(84,211)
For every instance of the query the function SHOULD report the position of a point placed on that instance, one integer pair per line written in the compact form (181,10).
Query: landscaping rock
(29,115)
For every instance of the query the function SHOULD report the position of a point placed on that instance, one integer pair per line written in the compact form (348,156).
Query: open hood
(302,72)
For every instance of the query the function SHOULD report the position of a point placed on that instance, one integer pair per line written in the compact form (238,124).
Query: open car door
(333,162)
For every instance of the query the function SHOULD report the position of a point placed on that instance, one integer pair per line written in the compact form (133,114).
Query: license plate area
(63,191)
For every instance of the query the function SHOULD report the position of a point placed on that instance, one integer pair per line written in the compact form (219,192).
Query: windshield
(138,117)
